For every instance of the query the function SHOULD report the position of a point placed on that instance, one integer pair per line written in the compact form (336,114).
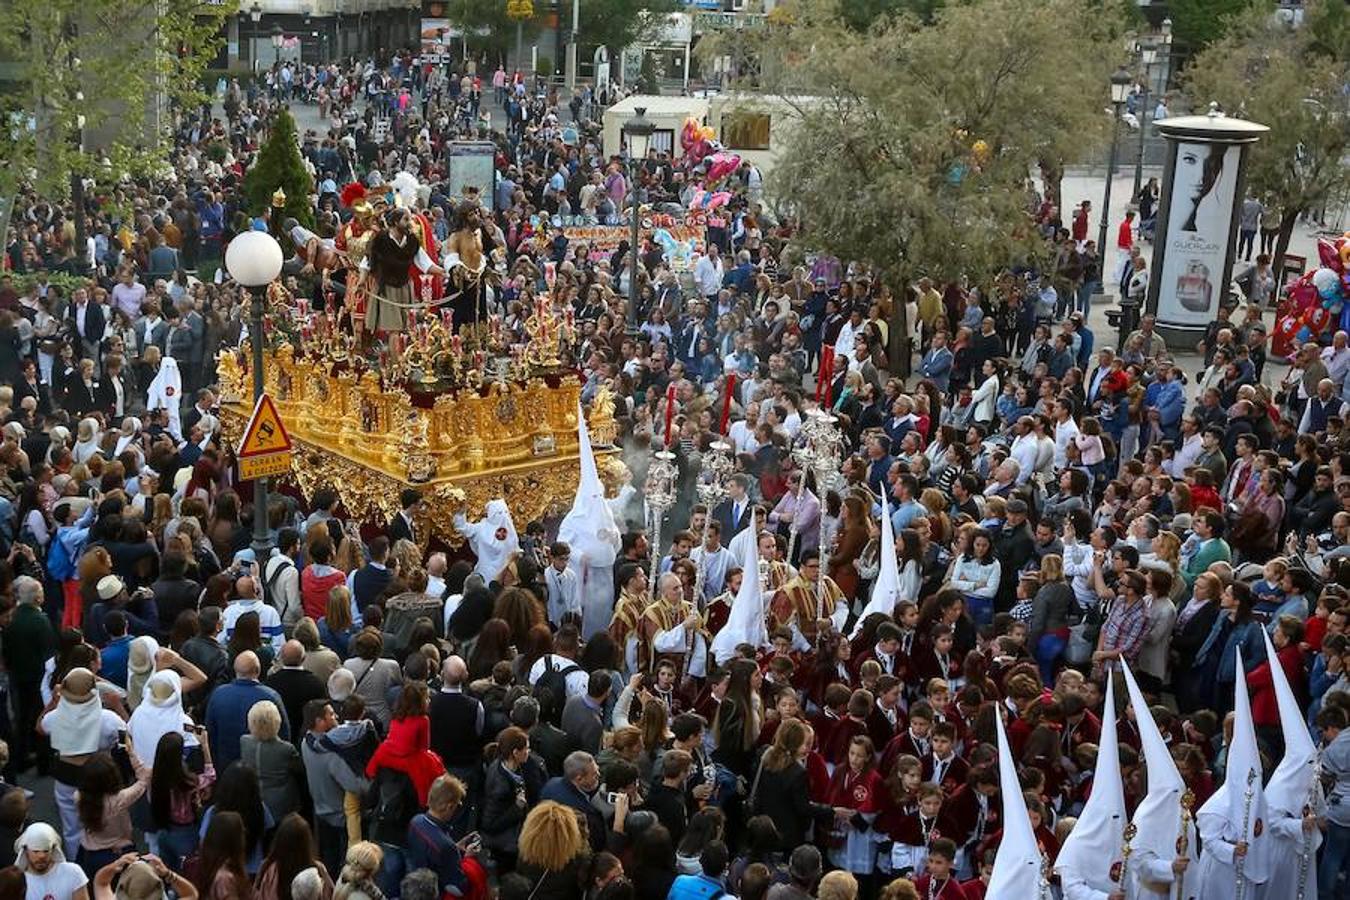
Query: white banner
(1199,234)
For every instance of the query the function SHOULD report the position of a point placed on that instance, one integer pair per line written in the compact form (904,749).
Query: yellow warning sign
(265,448)
(264,433)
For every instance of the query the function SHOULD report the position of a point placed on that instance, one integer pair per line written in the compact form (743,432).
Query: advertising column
(1202,194)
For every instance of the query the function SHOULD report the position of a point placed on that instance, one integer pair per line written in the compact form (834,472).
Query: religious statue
(467,257)
(392,252)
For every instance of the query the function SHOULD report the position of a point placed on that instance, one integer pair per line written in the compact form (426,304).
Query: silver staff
(659,491)
(1246,823)
(1306,851)
(711,489)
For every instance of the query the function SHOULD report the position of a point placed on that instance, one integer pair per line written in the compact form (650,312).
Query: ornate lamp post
(638,132)
(1148,55)
(711,489)
(659,491)
(278,38)
(254,260)
(1120,89)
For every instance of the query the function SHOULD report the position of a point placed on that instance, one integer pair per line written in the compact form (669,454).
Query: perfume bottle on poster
(1195,290)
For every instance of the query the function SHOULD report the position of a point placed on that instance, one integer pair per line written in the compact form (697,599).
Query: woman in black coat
(781,790)
(511,788)
(1194,623)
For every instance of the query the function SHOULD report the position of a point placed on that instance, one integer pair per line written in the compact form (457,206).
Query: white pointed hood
(1157,819)
(166,392)
(886,589)
(589,527)
(1242,774)
(1295,779)
(1017,865)
(1093,849)
(745,623)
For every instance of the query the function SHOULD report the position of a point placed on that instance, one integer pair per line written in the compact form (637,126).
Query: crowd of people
(802,693)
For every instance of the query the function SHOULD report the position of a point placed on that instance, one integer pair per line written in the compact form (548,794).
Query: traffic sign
(265,448)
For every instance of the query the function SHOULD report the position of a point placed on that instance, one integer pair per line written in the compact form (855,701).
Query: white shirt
(59,882)
(1185,456)
(1065,432)
(576,681)
(1024,453)
(268,619)
(742,436)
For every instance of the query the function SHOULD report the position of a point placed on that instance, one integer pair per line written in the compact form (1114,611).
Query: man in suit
(573,789)
(88,321)
(206,402)
(152,330)
(401,527)
(195,325)
(734,513)
(937,363)
(1099,375)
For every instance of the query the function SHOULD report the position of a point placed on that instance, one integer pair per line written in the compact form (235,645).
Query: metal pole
(1106,201)
(633,248)
(1143,133)
(572,46)
(262,544)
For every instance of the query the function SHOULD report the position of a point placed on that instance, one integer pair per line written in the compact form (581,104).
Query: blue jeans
(1049,649)
(1334,854)
(1085,292)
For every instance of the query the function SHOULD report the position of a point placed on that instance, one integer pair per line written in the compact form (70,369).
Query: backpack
(555,680)
(269,584)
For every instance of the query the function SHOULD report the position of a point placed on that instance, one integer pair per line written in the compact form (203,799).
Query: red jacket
(1265,709)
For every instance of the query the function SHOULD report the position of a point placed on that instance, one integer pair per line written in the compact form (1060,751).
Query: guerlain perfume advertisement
(1198,232)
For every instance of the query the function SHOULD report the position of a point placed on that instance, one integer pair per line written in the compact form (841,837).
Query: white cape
(1017,864)
(1237,810)
(1293,787)
(166,392)
(746,622)
(153,719)
(886,589)
(1091,855)
(591,532)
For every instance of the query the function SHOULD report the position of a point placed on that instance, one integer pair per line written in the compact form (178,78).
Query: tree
(1198,23)
(490,27)
(97,74)
(1291,79)
(279,166)
(918,162)
(618,23)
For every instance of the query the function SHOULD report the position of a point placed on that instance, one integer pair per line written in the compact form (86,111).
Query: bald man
(295,684)
(457,725)
(227,710)
(247,601)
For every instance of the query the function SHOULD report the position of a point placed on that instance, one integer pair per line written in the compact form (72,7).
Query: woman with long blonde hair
(357,881)
(936,504)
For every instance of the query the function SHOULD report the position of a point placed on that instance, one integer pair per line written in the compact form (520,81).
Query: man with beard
(47,875)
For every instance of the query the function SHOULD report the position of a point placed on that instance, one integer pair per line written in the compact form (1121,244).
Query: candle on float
(726,403)
(478,359)
(670,412)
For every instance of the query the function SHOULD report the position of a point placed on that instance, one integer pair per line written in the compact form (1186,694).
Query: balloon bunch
(697,141)
(709,200)
(1317,300)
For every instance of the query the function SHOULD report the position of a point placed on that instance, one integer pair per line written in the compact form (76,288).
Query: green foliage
(918,161)
(128,51)
(488,25)
(1293,81)
(861,14)
(279,165)
(543,65)
(618,23)
(1198,23)
(647,78)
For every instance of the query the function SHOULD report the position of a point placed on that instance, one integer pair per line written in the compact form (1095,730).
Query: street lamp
(1120,89)
(278,38)
(1148,55)
(254,260)
(255,13)
(638,130)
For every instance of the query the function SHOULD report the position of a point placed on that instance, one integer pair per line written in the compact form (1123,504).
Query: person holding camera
(140,877)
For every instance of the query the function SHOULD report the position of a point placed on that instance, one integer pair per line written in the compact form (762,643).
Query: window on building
(745,131)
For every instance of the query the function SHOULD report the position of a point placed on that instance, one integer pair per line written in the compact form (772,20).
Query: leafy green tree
(279,165)
(618,23)
(489,26)
(1198,23)
(1293,81)
(100,80)
(917,163)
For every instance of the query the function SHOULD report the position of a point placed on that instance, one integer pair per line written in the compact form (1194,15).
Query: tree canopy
(98,66)
(911,146)
(1291,79)
(279,165)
